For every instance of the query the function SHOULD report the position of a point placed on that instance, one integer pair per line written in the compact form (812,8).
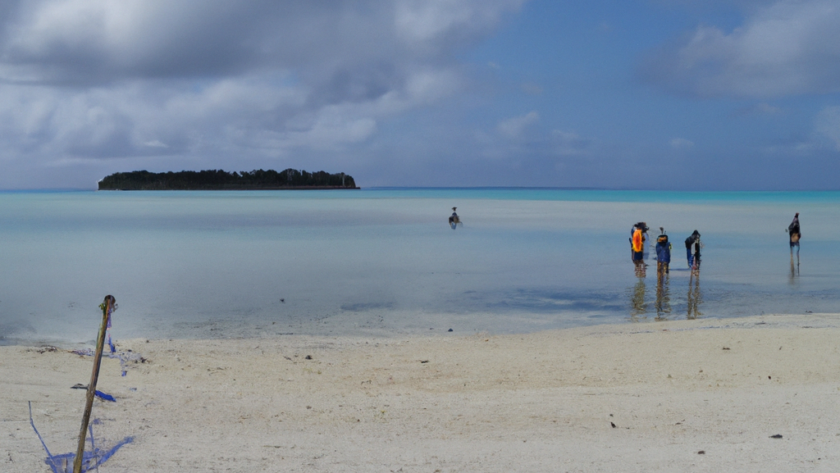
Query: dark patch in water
(15,327)
(548,301)
(366,306)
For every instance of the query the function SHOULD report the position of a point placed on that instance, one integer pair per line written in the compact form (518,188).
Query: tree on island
(221,180)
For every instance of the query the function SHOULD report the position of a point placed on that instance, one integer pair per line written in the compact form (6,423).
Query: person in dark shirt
(663,252)
(795,235)
(454,220)
(692,250)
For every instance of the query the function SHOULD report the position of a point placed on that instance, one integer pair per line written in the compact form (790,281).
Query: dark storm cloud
(92,79)
(783,49)
(354,46)
(99,42)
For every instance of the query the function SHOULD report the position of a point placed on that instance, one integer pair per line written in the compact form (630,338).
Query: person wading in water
(454,220)
(795,235)
(692,250)
(637,246)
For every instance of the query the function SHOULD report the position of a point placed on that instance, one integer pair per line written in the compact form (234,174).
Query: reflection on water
(640,269)
(663,296)
(694,297)
(320,262)
(638,306)
(662,306)
(794,269)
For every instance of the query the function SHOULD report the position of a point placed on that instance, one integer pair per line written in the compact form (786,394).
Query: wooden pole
(94,377)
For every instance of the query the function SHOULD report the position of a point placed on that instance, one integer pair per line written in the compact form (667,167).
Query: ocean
(381,262)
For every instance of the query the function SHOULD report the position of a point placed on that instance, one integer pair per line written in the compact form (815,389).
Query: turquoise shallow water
(384,261)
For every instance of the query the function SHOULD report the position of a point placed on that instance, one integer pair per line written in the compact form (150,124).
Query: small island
(290,179)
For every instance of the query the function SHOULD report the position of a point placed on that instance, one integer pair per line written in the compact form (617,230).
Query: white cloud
(567,143)
(758,109)
(766,109)
(331,128)
(427,86)
(422,21)
(87,80)
(788,48)
(516,126)
(531,88)
(827,124)
(681,143)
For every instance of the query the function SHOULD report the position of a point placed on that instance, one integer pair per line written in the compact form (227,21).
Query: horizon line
(617,189)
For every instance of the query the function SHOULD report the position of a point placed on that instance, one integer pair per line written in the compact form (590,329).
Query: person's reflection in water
(638,307)
(694,298)
(794,271)
(640,269)
(663,296)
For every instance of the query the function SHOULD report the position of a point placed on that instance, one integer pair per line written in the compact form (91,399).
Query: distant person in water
(663,253)
(795,235)
(637,246)
(454,220)
(692,250)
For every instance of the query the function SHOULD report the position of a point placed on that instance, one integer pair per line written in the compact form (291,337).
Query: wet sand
(702,395)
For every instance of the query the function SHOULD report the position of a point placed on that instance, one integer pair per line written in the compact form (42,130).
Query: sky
(646,94)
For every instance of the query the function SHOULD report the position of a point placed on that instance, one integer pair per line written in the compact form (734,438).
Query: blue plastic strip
(104,397)
(90,460)
(32,423)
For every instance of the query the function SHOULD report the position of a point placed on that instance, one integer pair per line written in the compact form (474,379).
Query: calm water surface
(384,261)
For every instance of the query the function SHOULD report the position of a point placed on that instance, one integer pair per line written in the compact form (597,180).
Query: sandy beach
(701,395)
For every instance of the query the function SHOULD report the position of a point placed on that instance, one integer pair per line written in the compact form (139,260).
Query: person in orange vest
(637,245)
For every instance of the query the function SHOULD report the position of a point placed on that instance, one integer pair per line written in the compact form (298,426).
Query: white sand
(531,403)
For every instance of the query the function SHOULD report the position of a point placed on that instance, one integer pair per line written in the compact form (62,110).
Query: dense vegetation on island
(221,180)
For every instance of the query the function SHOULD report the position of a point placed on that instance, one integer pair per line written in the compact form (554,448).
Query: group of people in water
(638,237)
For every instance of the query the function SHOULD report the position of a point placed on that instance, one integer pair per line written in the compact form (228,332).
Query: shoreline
(285,188)
(265,330)
(625,397)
